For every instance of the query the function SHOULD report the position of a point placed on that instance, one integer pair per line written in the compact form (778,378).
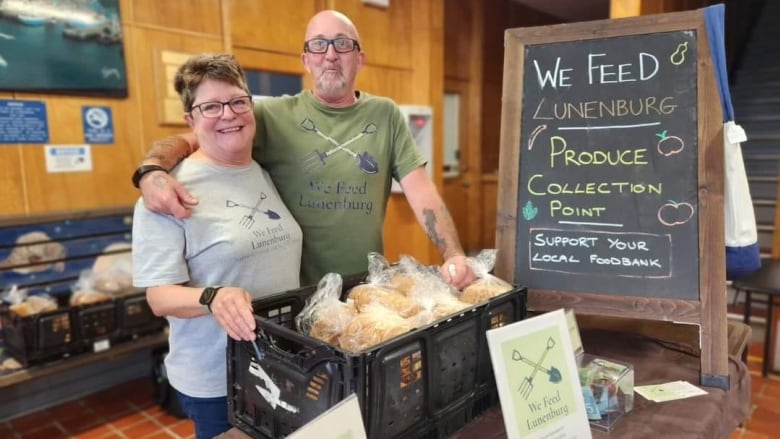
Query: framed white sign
(537,378)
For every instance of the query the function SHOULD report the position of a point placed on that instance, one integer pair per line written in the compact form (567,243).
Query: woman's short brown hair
(197,69)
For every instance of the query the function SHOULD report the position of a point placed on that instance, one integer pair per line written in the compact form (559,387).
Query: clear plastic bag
(23,304)
(325,316)
(487,285)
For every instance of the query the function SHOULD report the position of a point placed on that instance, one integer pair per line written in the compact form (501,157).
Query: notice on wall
(68,158)
(23,122)
(98,124)
(608,189)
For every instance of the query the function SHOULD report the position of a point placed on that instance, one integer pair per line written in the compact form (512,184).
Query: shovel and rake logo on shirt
(315,159)
(248,220)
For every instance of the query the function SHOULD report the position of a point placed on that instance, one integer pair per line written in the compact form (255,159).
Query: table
(711,416)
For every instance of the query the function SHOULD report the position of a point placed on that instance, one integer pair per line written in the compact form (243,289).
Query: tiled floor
(125,412)
(130,412)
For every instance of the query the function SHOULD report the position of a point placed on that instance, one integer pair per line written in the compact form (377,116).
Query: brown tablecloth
(711,416)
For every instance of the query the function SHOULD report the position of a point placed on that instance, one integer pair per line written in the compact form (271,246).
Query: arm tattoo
(168,152)
(430,226)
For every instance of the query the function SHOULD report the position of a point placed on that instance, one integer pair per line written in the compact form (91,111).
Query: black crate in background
(97,321)
(136,317)
(422,385)
(40,337)
(70,330)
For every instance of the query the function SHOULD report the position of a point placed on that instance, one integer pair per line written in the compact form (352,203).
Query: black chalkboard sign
(608,176)
(610,189)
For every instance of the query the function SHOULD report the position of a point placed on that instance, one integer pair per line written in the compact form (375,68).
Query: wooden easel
(703,305)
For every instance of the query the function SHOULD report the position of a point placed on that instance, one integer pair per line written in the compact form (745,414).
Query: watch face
(207,296)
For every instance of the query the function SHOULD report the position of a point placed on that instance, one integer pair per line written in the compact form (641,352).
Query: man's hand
(457,272)
(164,194)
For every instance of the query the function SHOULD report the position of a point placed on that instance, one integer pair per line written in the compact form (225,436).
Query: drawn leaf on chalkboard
(529,211)
(669,145)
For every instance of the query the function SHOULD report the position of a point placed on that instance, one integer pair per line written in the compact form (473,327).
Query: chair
(766,282)
(738,338)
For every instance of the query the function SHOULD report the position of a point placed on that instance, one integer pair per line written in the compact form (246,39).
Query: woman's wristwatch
(207,296)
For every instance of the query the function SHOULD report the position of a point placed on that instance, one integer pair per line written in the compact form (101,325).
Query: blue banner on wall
(23,122)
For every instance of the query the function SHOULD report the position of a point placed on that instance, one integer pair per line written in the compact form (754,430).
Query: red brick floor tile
(162,435)
(48,431)
(28,422)
(141,429)
(772,388)
(103,431)
(756,384)
(114,409)
(185,428)
(164,418)
(129,420)
(72,409)
(77,425)
(754,435)
(763,421)
(737,434)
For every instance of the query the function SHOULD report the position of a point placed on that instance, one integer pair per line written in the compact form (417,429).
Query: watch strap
(208,295)
(143,170)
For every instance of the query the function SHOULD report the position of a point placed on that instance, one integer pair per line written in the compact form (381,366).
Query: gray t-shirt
(239,234)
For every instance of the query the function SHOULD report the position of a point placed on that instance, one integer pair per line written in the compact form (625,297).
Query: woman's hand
(232,307)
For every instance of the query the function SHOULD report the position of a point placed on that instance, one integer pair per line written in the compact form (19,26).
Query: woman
(240,242)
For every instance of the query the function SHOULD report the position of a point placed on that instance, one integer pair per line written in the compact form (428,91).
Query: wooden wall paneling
(499,15)
(491,125)
(471,155)
(107,183)
(191,16)
(489,210)
(386,34)
(392,83)
(427,57)
(147,43)
(14,194)
(400,220)
(455,189)
(494,24)
(272,62)
(624,8)
(460,30)
(269,24)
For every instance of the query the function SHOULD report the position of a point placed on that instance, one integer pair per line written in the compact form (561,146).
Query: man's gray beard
(332,88)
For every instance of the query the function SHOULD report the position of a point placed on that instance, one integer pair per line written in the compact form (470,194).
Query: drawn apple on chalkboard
(669,145)
(674,213)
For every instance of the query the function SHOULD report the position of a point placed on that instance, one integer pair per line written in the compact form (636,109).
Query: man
(332,153)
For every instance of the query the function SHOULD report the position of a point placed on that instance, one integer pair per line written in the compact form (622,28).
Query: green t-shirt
(333,169)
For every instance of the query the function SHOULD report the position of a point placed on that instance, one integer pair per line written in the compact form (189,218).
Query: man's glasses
(214,109)
(341,45)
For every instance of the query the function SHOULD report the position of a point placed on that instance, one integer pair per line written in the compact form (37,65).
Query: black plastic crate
(459,415)
(41,337)
(136,317)
(419,385)
(96,325)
